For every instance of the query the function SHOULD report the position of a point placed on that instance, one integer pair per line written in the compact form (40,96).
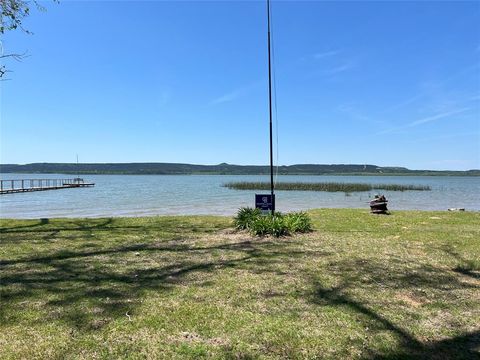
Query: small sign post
(264,203)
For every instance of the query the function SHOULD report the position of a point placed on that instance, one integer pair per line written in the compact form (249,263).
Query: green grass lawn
(360,286)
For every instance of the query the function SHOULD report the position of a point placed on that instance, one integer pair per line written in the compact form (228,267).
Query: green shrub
(276,225)
(260,226)
(270,225)
(298,222)
(245,217)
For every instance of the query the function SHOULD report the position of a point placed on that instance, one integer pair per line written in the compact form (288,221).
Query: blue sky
(385,83)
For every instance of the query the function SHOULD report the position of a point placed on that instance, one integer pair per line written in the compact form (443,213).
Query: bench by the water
(28,185)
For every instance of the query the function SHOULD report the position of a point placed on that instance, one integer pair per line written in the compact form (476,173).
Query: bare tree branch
(18,57)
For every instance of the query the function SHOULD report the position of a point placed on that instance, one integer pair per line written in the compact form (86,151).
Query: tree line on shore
(220,169)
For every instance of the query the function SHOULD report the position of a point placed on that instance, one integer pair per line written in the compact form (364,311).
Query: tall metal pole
(270,108)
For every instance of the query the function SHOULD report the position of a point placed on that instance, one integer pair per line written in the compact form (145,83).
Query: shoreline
(432,174)
(205,215)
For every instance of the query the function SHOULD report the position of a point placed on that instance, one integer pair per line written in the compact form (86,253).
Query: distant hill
(222,169)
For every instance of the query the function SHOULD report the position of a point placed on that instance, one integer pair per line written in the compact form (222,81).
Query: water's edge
(147,195)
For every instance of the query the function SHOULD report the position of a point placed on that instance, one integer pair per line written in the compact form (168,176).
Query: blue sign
(264,202)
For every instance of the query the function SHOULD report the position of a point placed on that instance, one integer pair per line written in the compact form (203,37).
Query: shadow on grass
(399,274)
(21,228)
(72,229)
(162,223)
(371,277)
(76,225)
(467,271)
(87,288)
(464,346)
(467,267)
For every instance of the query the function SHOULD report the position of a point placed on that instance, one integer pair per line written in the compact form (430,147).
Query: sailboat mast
(78,171)
(270,108)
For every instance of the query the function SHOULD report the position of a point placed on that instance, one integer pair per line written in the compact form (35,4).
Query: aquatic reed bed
(324,186)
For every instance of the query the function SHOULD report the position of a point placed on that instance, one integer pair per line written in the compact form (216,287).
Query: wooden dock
(29,185)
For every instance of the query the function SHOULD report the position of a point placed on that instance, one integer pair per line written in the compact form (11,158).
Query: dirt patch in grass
(412,300)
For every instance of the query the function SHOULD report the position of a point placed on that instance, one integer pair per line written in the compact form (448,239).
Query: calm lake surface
(141,195)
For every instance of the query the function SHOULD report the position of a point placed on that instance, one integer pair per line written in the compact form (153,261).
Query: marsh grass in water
(360,286)
(324,186)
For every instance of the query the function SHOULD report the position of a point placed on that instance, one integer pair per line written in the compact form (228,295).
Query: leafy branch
(12,14)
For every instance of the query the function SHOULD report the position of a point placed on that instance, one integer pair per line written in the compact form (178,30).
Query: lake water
(140,195)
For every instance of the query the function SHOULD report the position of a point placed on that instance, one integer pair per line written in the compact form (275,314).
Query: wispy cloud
(425,93)
(406,102)
(339,69)
(437,117)
(325,54)
(228,97)
(234,94)
(319,55)
(353,113)
(448,136)
(335,63)
(425,120)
